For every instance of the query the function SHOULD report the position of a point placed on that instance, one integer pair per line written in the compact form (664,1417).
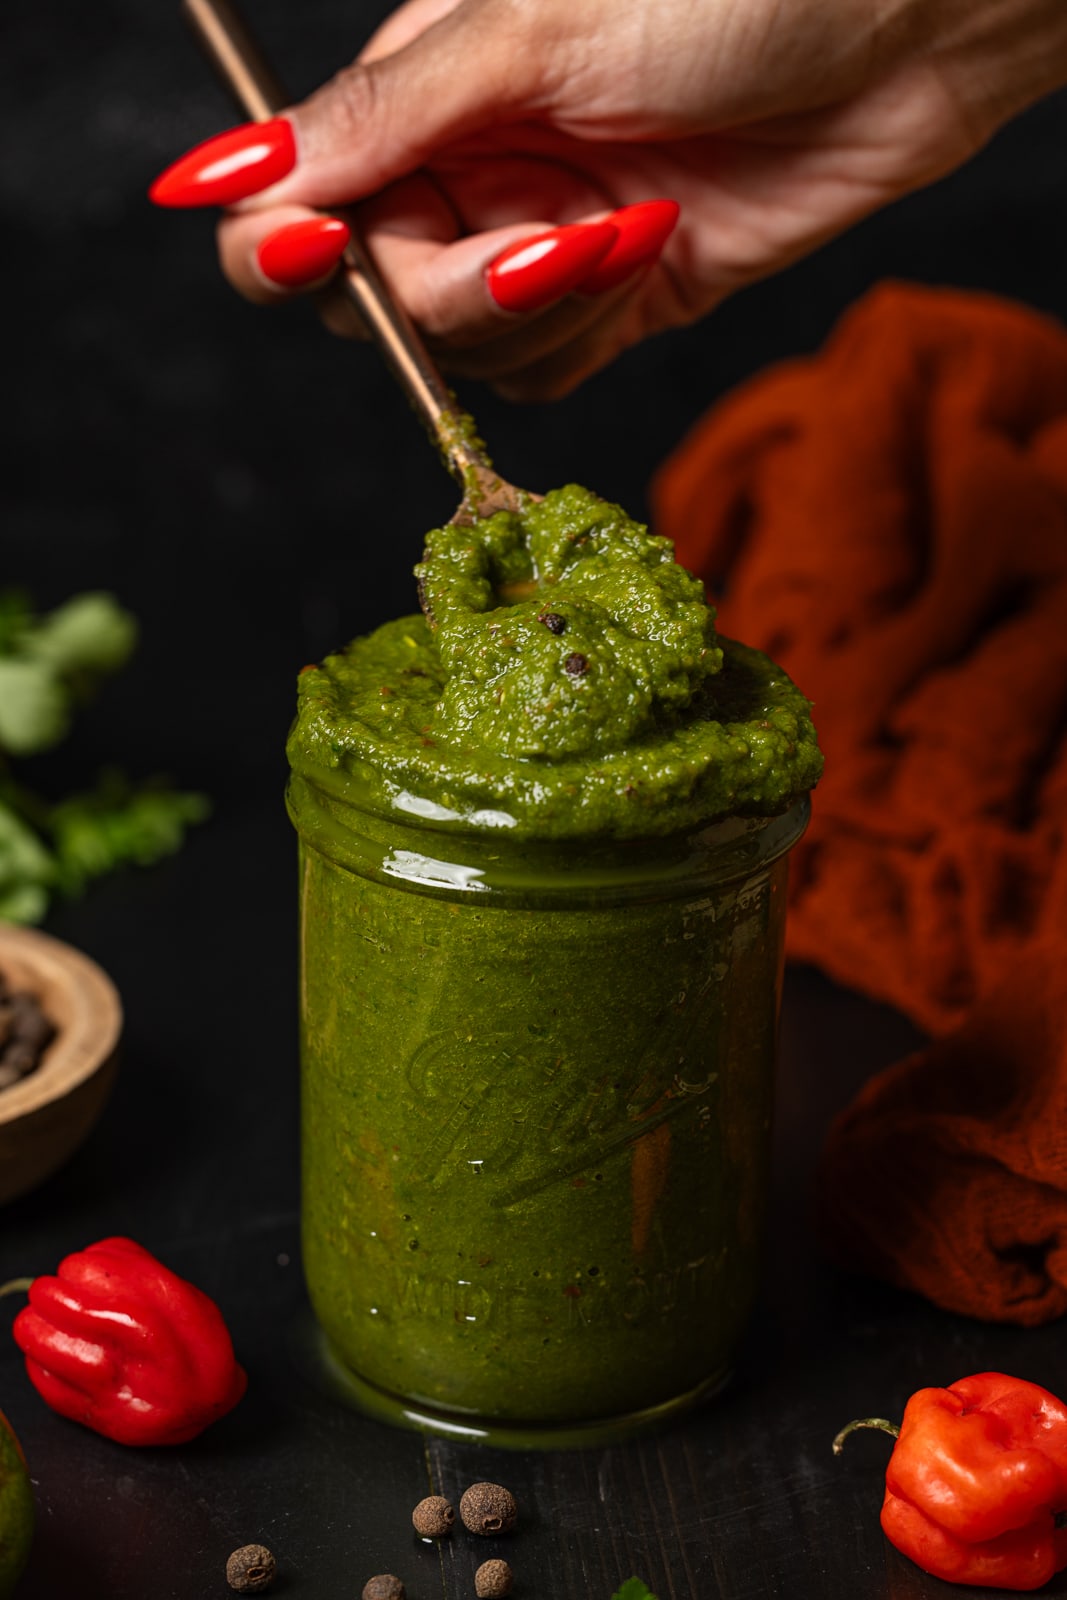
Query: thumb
(380,119)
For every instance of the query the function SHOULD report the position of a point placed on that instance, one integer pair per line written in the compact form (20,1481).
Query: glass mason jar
(537,1086)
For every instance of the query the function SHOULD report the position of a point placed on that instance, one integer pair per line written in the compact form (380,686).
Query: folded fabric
(888,519)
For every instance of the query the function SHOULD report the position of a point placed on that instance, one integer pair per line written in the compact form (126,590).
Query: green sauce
(601,704)
(543,829)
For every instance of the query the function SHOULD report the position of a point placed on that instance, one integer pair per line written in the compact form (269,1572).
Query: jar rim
(421,855)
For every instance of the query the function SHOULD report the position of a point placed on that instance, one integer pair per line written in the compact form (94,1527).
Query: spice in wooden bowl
(25,1032)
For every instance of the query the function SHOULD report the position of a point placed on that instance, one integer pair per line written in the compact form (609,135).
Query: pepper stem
(15,1286)
(864,1422)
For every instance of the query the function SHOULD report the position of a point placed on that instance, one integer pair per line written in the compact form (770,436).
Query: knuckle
(237,271)
(431,309)
(340,112)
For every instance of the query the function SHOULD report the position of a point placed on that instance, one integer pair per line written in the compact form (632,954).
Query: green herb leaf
(16,619)
(87,637)
(46,661)
(47,665)
(27,902)
(33,706)
(27,870)
(634,1589)
(116,825)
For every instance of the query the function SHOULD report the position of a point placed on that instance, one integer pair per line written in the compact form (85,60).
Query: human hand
(470,129)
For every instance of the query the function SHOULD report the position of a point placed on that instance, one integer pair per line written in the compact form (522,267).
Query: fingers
(550,354)
(270,255)
(486,322)
(646,304)
(493,302)
(379,119)
(493,294)
(460,68)
(535,314)
(550,368)
(490,304)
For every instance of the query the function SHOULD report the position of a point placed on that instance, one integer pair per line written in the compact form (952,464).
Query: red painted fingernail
(537,271)
(230,167)
(642,230)
(303,252)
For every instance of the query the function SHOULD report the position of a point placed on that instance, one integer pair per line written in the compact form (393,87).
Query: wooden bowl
(45,1116)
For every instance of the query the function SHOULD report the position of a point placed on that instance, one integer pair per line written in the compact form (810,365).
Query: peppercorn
(576,664)
(383,1587)
(25,1033)
(251,1569)
(433,1517)
(488,1508)
(553,621)
(492,1580)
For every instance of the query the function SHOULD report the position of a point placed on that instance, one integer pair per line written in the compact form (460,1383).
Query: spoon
(244,69)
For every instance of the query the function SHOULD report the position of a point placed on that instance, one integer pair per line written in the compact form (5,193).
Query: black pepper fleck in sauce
(646,724)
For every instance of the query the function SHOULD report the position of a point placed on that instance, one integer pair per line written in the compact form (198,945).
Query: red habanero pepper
(976,1487)
(122,1344)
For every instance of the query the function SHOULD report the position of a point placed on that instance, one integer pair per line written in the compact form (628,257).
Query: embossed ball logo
(523,1118)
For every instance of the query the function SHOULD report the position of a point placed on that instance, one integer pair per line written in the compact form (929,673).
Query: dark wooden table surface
(196,1157)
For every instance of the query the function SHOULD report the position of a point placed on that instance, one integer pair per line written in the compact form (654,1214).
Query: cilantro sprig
(49,666)
(634,1589)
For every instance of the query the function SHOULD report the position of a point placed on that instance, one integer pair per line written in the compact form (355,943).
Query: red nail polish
(537,271)
(229,167)
(303,252)
(642,230)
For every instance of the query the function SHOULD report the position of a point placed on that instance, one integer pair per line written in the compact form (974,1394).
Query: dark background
(255,492)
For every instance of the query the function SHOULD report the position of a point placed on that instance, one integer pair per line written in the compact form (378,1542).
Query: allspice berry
(383,1587)
(433,1517)
(488,1508)
(251,1569)
(492,1580)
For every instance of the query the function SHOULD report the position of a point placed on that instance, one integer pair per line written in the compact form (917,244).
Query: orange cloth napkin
(888,519)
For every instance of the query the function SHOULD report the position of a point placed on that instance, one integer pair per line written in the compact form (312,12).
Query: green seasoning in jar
(543,834)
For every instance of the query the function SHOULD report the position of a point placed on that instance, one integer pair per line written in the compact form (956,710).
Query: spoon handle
(258,91)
